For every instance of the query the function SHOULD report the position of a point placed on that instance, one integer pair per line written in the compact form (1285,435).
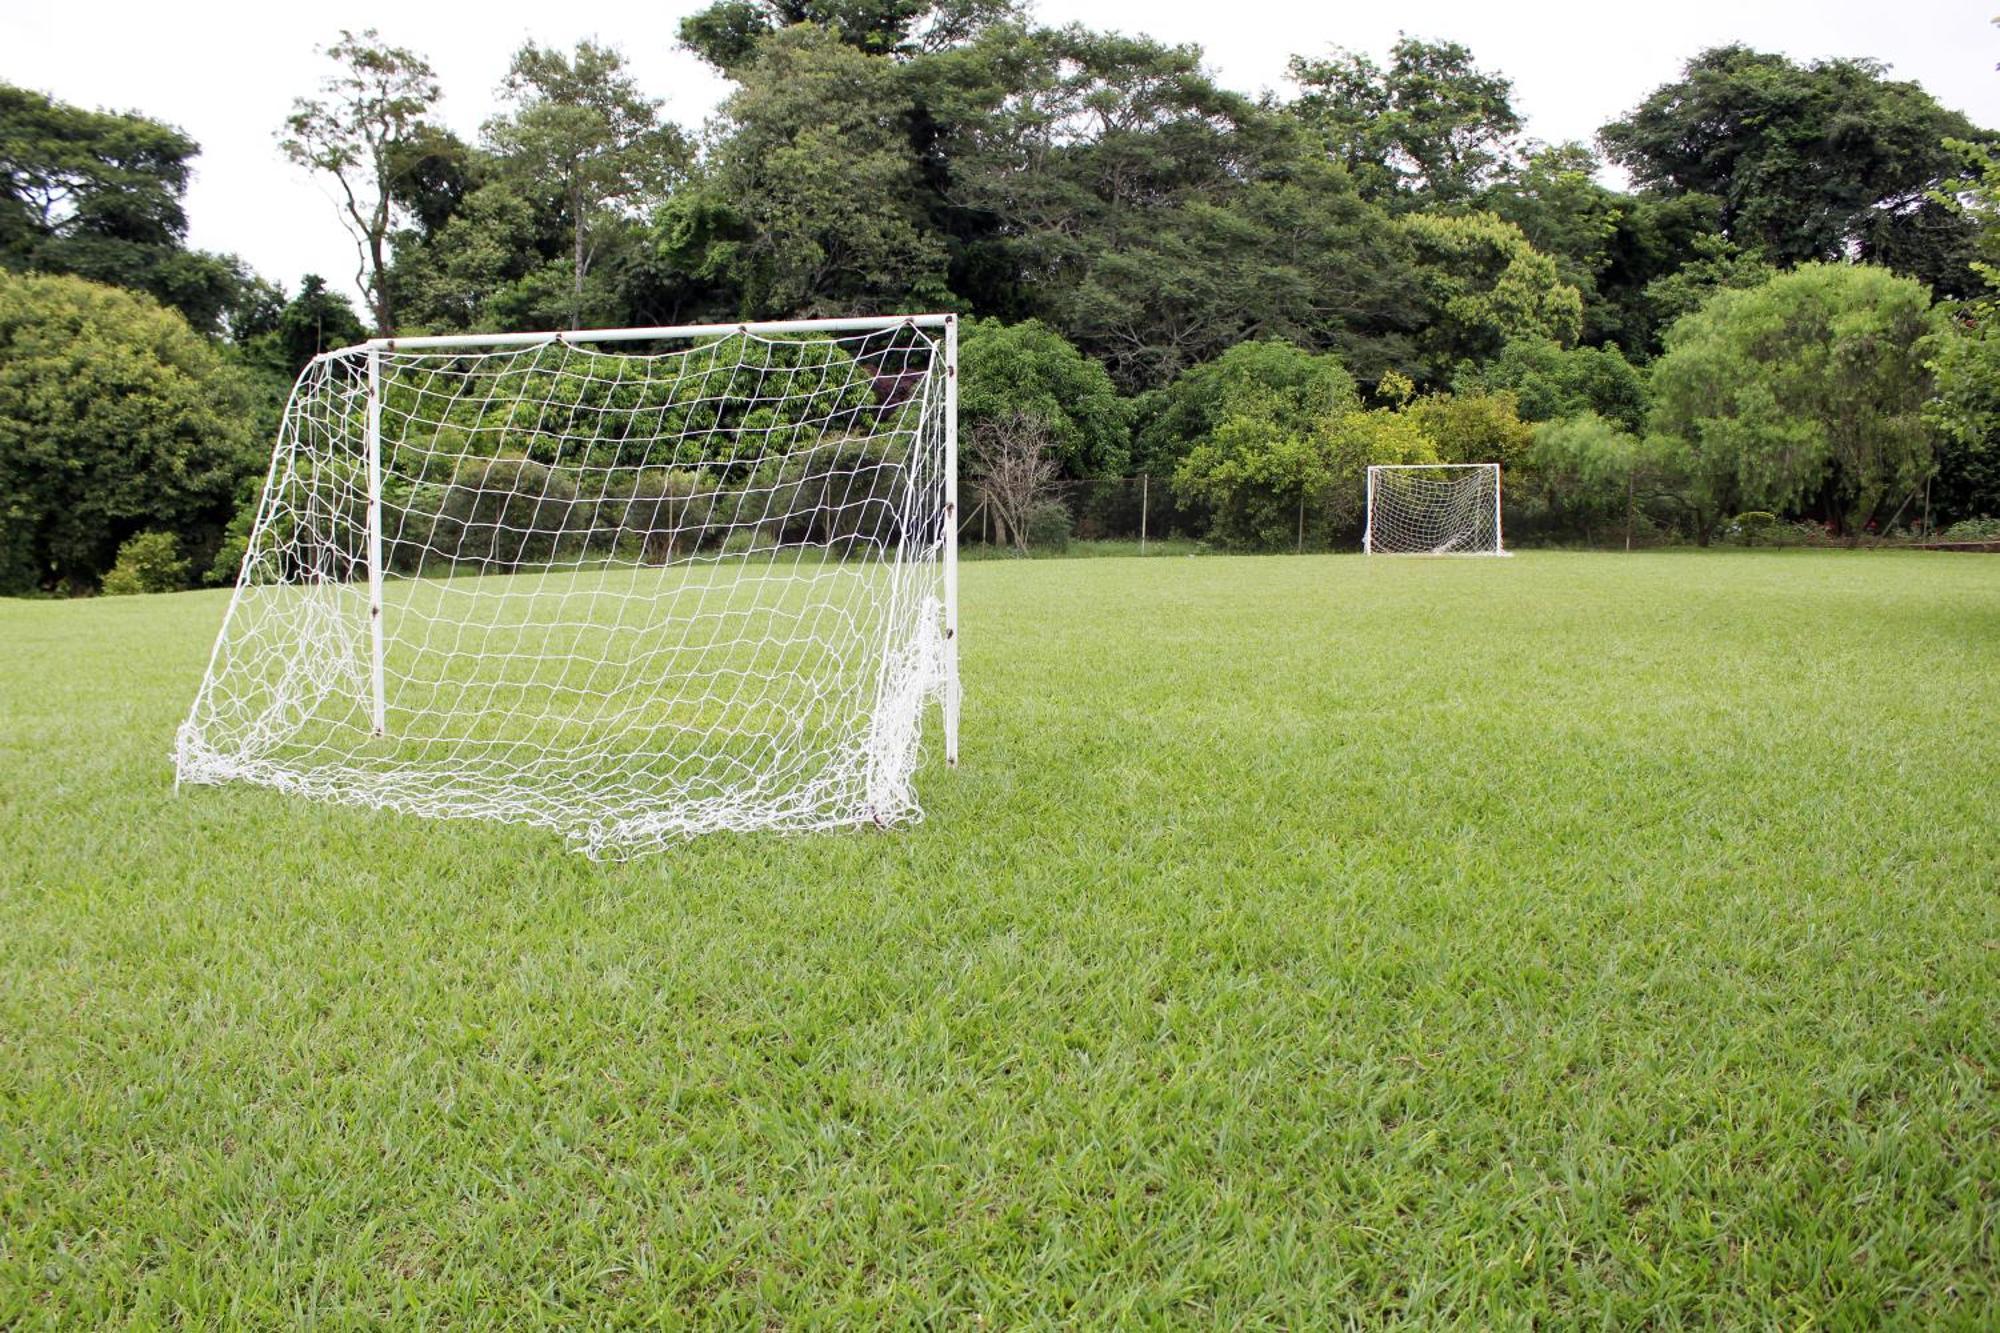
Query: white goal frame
(196,760)
(1376,474)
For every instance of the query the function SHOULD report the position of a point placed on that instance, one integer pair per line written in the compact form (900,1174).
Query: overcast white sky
(227,72)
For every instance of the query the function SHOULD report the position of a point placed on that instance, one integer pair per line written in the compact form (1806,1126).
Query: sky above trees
(229,76)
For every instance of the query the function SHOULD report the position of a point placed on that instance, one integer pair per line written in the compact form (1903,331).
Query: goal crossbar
(659,333)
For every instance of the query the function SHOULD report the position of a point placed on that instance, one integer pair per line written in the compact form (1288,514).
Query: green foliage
(1753,527)
(1550,381)
(1048,527)
(1812,162)
(1293,387)
(729,33)
(148,562)
(1483,286)
(115,417)
(1108,186)
(1432,125)
(314,321)
(101,196)
(1272,475)
(1473,427)
(1972,530)
(1711,265)
(1965,415)
(551,409)
(811,202)
(579,126)
(1803,393)
(1031,370)
(361,131)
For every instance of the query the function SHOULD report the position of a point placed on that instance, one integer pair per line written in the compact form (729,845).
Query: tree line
(1250,298)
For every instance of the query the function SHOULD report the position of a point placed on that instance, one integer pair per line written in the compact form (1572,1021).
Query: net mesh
(631,596)
(1434,510)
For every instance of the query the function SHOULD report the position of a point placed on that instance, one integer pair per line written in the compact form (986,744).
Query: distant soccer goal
(631,585)
(1433,509)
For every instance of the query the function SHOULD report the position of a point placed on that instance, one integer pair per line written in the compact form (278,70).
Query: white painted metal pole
(1499,546)
(770,327)
(951,689)
(1368,524)
(1145,484)
(379,701)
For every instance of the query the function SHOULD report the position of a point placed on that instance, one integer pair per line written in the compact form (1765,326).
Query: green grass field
(1570,939)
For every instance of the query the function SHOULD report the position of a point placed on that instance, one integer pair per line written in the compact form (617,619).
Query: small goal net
(629,585)
(1433,509)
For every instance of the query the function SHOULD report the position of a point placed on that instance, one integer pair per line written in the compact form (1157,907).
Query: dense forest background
(1784,329)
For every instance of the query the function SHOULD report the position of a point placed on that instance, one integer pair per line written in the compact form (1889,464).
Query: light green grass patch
(1570,938)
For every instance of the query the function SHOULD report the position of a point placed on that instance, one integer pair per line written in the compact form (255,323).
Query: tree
(1271,479)
(811,202)
(1013,455)
(1823,161)
(1485,285)
(1284,383)
(115,418)
(1966,411)
(1432,125)
(1713,264)
(1966,417)
(315,321)
(726,34)
(1472,427)
(1108,186)
(1805,394)
(1550,381)
(100,195)
(580,125)
(360,132)
(1584,477)
(1030,372)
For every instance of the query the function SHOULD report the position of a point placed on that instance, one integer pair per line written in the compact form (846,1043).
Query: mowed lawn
(1574,938)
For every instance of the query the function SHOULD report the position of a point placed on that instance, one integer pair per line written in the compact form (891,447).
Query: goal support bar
(949,554)
(378,696)
(765,328)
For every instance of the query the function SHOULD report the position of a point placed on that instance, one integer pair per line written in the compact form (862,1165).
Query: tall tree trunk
(378,288)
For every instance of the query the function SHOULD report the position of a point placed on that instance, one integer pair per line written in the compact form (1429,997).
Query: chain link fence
(1142,511)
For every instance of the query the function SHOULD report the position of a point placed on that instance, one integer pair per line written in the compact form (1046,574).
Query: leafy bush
(1274,381)
(114,416)
(1268,487)
(1551,381)
(1473,427)
(1031,370)
(149,562)
(1972,530)
(1753,527)
(1048,527)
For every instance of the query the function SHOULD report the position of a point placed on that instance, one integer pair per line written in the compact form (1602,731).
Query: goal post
(1433,509)
(629,584)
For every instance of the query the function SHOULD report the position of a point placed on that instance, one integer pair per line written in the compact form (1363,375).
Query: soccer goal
(1433,509)
(631,585)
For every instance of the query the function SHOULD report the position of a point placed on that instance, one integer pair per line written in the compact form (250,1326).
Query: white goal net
(1433,509)
(629,585)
